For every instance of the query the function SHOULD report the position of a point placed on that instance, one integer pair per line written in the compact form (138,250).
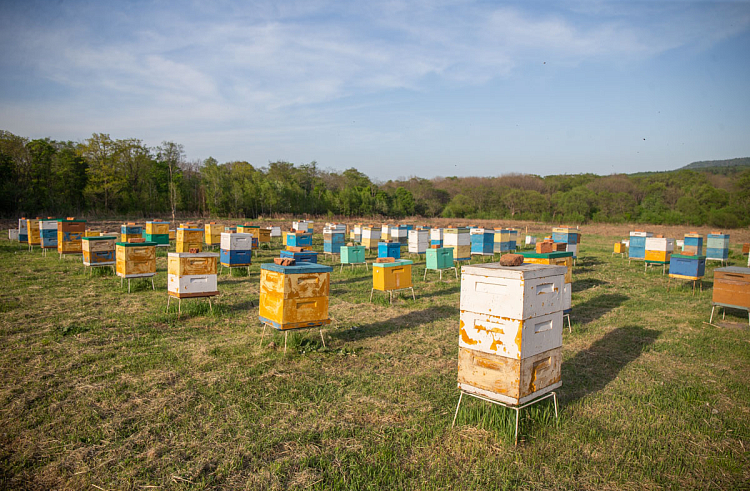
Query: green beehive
(352,254)
(440,258)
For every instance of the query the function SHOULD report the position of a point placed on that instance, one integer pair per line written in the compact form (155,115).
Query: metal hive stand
(516,408)
(286,334)
(367,267)
(179,303)
(724,311)
(390,301)
(144,277)
(440,270)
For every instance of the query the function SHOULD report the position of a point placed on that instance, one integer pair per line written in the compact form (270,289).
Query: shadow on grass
(590,370)
(587,262)
(597,307)
(386,327)
(581,285)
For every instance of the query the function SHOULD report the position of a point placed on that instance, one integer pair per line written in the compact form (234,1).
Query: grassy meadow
(102,389)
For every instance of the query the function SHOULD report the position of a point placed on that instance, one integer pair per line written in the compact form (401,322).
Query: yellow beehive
(294,297)
(187,264)
(620,248)
(189,238)
(134,260)
(557,261)
(69,234)
(172,234)
(32,227)
(264,235)
(661,256)
(213,233)
(157,228)
(392,276)
(98,250)
(97,233)
(192,275)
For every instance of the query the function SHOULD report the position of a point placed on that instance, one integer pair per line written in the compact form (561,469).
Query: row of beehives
(650,247)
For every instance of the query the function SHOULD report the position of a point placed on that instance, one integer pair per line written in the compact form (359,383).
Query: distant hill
(708,164)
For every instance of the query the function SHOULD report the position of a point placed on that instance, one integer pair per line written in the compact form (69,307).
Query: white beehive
(418,241)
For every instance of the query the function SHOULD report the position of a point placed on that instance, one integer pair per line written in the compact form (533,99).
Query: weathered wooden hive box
(300,256)
(370,237)
(48,233)
(135,259)
(32,229)
(213,233)
(692,244)
(333,240)
(157,232)
(717,246)
(687,267)
(130,231)
(354,254)
(459,240)
(23,231)
(299,239)
(418,241)
(392,276)
(294,297)
(189,238)
(658,249)
(192,275)
(482,241)
(439,258)
(389,249)
(562,258)
(637,247)
(236,249)
(436,237)
(98,251)
(69,234)
(510,340)
(732,287)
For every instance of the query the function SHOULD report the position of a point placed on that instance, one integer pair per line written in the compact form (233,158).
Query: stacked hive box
(32,229)
(502,241)
(236,249)
(391,276)
(333,239)
(135,259)
(400,234)
(370,237)
(717,246)
(192,275)
(97,233)
(98,251)
(436,237)
(389,249)
(568,236)
(637,245)
(157,232)
(189,238)
(731,288)
(510,343)
(300,255)
(513,239)
(264,235)
(418,241)
(385,231)
(305,226)
(482,241)
(356,233)
(23,231)
(249,228)
(692,244)
(299,239)
(213,234)
(658,249)
(274,231)
(353,254)
(294,297)
(130,231)
(458,239)
(561,258)
(69,234)
(335,227)
(687,267)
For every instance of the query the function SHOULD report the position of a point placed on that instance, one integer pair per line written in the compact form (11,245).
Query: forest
(102,176)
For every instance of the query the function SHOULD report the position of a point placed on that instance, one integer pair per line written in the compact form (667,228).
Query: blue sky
(395,89)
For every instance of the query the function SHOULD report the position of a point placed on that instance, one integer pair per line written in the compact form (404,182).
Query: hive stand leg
(179,308)
(441,274)
(723,313)
(711,319)
(285,336)
(262,335)
(210,305)
(570,329)
(248,270)
(424,277)
(455,271)
(322,338)
(169,297)
(554,398)
(120,281)
(458,406)
(128,285)
(518,410)
(371,292)
(413,297)
(342,268)
(152,284)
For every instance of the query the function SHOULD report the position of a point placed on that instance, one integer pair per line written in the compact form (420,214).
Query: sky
(395,88)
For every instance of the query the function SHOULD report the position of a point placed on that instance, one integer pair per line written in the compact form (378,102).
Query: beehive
(482,241)
(172,234)
(687,267)
(130,231)
(191,275)
(370,237)
(304,226)
(275,231)
(563,258)
(459,240)
(300,256)
(13,234)
(692,244)
(213,233)
(157,232)
(23,231)
(236,249)
(48,233)
(253,230)
(354,254)
(510,342)
(389,249)
(69,234)
(385,231)
(568,236)
(530,241)
(436,237)
(333,240)
(732,287)
(98,251)
(135,259)
(294,297)
(717,246)
(32,230)
(189,238)
(400,234)
(418,241)
(658,249)
(391,276)
(356,233)
(439,258)
(619,248)
(299,239)
(637,247)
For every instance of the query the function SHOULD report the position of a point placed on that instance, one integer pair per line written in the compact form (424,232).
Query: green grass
(104,388)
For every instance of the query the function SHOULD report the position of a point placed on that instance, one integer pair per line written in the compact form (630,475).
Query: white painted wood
(567,296)
(197,283)
(13,234)
(641,234)
(513,338)
(22,226)
(659,244)
(455,237)
(436,234)
(530,240)
(236,241)
(370,233)
(47,225)
(275,231)
(419,241)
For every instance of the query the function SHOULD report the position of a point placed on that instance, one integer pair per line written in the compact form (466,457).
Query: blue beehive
(389,249)
(298,239)
(332,241)
(482,241)
(693,245)
(637,247)
(689,267)
(717,246)
(301,257)
(236,258)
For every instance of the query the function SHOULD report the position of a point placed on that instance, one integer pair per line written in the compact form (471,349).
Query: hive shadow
(597,307)
(389,326)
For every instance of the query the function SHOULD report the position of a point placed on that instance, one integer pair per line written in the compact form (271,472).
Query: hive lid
(733,269)
(687,256)
(134,244)
(69,219)
(193,254)
(525,271)
(191,229)
(396,263)
(101,237)
(299,268)
(546,255)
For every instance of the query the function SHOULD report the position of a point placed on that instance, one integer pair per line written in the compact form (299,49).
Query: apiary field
(102,389)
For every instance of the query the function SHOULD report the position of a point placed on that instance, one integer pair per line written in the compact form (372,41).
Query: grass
(104,388)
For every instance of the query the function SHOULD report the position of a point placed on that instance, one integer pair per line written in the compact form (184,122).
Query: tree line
(106,176)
